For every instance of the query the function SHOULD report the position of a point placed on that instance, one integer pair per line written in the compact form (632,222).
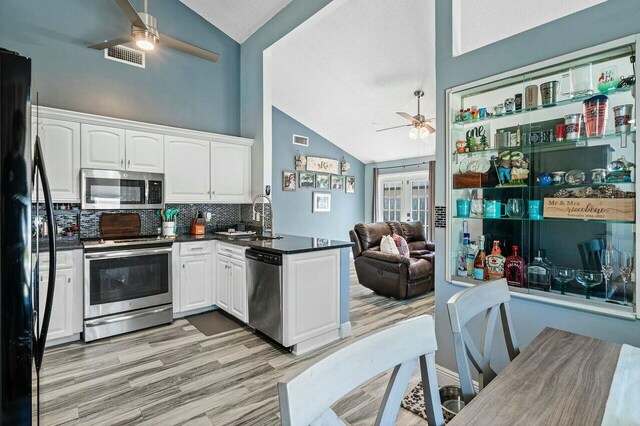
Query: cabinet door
(230,173)
(239,308)
(60,141)
(186,168)
(195,282)
(223,284)
(102,147)
(61,323)
(144,152)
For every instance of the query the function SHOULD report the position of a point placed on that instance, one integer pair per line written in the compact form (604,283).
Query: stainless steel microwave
(113,189)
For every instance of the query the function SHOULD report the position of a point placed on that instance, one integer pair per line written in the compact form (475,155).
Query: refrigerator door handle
(38,164)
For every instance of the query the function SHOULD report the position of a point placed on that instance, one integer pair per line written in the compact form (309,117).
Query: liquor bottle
(463,268)
(480,271)
(515,268)
(539,272)
(495,262)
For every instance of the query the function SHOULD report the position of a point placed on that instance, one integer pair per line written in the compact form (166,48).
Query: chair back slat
(306,396)
(493,299)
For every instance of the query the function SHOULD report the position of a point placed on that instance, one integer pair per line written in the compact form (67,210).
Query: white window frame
(405,178)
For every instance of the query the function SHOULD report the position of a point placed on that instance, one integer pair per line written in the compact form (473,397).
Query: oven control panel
(155,192)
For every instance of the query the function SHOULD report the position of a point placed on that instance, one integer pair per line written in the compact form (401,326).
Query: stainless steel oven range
(127,285)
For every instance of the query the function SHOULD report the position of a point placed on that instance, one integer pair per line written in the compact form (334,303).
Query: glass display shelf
(546,219)
(560,103)
(629,185)
(550,146)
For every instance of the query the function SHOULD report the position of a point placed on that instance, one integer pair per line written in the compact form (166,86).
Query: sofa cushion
(396,227)
(386,257)
(413,231)
(419,268)
(416,246)
(388,245)
(401,243)
(370,234)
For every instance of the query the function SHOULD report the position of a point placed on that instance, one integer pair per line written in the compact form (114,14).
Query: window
(404,197)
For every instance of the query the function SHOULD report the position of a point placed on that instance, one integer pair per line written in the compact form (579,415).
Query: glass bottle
(495,262)
(480,271)
(515,268)
(539,272)
(464,268)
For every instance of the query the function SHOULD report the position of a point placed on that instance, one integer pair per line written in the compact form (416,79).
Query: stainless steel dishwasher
(264,292)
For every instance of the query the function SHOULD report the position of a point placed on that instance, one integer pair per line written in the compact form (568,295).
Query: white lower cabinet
(231,281)
(223,294)
(238,284)
(66,311)
(192,276)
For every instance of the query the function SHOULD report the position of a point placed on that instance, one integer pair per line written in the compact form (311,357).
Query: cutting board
(118,225)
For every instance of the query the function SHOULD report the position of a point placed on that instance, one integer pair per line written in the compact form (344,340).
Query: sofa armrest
(386,257)
(430,245)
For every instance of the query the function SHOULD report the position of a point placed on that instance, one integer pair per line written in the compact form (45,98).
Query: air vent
(126,55)
(300,140)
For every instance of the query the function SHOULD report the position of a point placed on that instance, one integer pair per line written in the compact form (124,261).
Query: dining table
(561,378)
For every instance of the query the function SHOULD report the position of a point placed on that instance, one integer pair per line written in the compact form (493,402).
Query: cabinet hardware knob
(128,162)
(122,162)
(68,280)
(183,266)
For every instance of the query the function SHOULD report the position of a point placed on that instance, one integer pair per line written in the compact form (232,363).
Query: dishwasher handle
(270,258)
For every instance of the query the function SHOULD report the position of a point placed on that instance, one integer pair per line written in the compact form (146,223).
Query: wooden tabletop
(559,379)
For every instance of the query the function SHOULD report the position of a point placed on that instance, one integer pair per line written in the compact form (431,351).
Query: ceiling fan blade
(189,48)
(407,116)
(131,13)
(111,43)
(394,127)
(429,128)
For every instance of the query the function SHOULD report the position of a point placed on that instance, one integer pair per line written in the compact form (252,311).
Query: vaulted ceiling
(346,74)
(239,19)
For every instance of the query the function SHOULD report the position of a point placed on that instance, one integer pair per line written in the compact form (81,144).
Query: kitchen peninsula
(293,289)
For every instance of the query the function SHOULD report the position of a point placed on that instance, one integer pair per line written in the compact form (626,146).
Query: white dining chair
(307,397)
(492,298)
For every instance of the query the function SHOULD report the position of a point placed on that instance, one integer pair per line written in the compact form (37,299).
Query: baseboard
(345,329)
(447,376)
(62,340)
(177,315)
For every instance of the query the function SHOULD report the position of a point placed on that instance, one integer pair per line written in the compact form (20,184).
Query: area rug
(212,323)
(414,401)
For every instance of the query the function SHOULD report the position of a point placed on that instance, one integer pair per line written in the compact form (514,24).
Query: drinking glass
(515,207)
(477,207)
(588,279)
(563,275)
(607,261)
(626,268)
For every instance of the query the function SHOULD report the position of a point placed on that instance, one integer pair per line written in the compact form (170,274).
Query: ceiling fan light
(145,40)
(424,132)
(414,133)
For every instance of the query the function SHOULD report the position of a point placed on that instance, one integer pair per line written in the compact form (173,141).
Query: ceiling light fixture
(414,133)
(145,40)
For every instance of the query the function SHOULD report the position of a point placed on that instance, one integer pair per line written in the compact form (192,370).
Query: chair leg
(432,403)
(394,393)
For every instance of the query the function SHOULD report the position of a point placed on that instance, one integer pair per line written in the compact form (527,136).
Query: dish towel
(623,403)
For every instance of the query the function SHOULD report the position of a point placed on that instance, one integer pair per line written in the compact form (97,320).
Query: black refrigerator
(23,322)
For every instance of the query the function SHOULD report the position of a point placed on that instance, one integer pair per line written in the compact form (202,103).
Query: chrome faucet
(257,216)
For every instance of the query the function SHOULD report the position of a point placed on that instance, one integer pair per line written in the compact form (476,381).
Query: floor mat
(215,322)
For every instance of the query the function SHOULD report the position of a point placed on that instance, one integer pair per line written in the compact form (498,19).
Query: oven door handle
(126,253)
(98,322)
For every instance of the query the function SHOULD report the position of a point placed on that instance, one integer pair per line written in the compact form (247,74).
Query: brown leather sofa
(388,274)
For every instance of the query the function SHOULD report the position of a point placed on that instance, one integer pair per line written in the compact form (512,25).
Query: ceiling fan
(144,31)
(421,126)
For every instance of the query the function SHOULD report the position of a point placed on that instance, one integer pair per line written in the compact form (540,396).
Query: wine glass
(588,279)
(564,275)
(626,268)
(477,207)
(607,261)
(515,207)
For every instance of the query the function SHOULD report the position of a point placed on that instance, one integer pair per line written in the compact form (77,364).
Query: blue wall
(293,209)
(251,50)
(175,89)
(605,22)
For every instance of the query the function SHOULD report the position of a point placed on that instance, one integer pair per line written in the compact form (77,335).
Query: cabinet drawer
(64,260)
(235,252)
(191,249)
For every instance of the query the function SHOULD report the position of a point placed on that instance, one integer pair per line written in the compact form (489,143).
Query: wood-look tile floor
(174,375)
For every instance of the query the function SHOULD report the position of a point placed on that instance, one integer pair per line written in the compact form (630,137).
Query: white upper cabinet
(186,167)
(230,173)
(60,141)
(102,147)
(144,152)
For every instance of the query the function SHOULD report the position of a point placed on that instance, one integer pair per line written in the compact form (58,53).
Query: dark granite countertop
(61,245)
(288,244)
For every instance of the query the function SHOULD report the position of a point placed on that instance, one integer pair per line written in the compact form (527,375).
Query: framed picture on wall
(323,181)
(307,180)
(289,180)
(321,202)
(350,186)
(337,182)
(323,165)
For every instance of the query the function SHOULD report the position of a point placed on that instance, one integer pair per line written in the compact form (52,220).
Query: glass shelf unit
(569,223)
